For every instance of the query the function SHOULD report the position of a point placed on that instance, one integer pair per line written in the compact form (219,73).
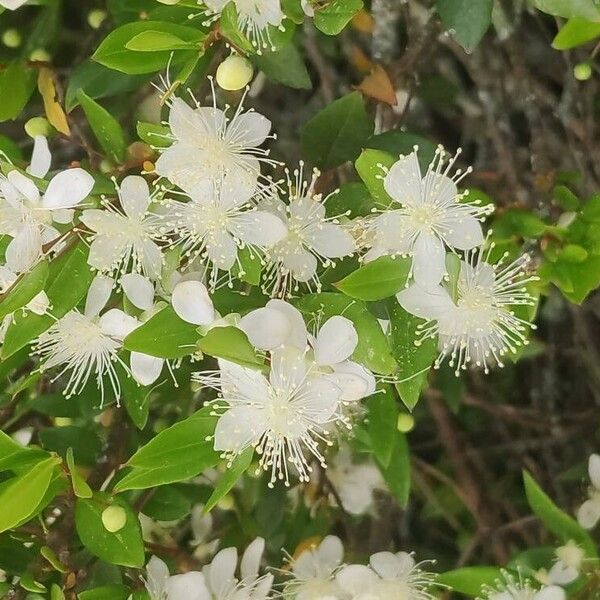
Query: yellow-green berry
(114,518)
(11,38)
(406,422)
(582,71)
(40,55)
(234,73)
(95,18)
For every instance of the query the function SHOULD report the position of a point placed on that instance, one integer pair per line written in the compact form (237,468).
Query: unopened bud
(234,73)
(582,71)
(40,55)
(406,422)
(11,38)
(114,518)
(95,18)
(38,126)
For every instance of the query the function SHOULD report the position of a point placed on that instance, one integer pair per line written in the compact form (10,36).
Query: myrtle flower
(254,18)
(312,238)
(566,567)
(283,416)
(279,324)
(312,574)
(207,145)
(589,512)
(480,326)
(86,344)
(28,217)
(126,240)
(216,581)
(220,219)
(517,589)
(355,483)
(390,576)
(432,216)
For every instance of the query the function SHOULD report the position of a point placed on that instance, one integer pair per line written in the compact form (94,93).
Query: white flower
(208,145)
(254,18)
(354,482)
(481,325)
(512,589)
(390,577)
(283,416)
(312,238)
(28,217)
(313,572)
(567,566)
(87,344)
(126,240)
(12,4)
(220,219)
(432,215)
(279,324)
(217,581)
(589,512)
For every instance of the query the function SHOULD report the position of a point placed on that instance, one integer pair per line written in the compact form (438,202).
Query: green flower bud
(114,518)
(95,18)
(406,422)
(38,126)
(40,55)
(11,38)
(582,71)
(234,73)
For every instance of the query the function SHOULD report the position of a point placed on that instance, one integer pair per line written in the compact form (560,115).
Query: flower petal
(356,579)
(301,264)
(298,334)
(336,341)
(248,129)
(222,250)
(589,513)
(464,232)
(106,252)
(103,221)
(594,470)
(24,186)
(331,240)
(385,564)
(354,380)
(117,324)
(68,189)
(222,569)
(258,228)
(145,369)
(98,295)
(134,194)
(267,328)
(157,574)
(239,428)
(40,157)
(191,586)
(330,553)
(250,562)
(192,303)
(24,250)
(139,290)
(429,259)
(425,302)
(150,257)
(403,181)
(551,592)
(193,125)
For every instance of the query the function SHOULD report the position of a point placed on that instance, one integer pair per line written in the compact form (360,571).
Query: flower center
(424,217)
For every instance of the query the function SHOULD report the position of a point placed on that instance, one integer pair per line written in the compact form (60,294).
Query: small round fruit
(114,518)
(234,73)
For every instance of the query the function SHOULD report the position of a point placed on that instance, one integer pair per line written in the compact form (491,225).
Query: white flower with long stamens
(566,567)
(127,240)
(254,18)
(283,416)
(28,217)
(86,344)
(313,239)
(518,589)
(432,216)
(313,572)
(389,577)
(480,326)
(221,218)
(588,514)
(207,145)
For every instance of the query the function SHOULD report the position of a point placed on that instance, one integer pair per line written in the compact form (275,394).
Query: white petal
(39,304)
(68,189)
(222,569)
(403,182)
(222,251)
(145,369)
(239,428)
(321,398)
(298,335)
(354,380)
(63,215)
(266,328)
(236,379)
(441,189)
(103,221)
(40,158)
(552,592)
(464,232)
(237,188)
(98,295)
(561,574)
(139,290)
(117,324)
(106,252)
(190,586)
(151,258)
(259,228)
(24,250)
(12,4)
(331,240)
(134,194)
(192,303)
(179,164)
(330,552)
(594,470)
(249,129)
(157,574)
(425,302)
(24,185)
(301,264)
(429,259)
(251,559)
(336,341)
(356,579)
(589,513)
(385,564)
(193,125)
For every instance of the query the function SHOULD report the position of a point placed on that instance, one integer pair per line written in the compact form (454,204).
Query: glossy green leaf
(284,65)
(370,166)
(584,9)
(167,503)
(470,580)
(24,289)
(80,487)
(17,82)
(157,136)
(231,476)
(335,15)
(396,472)
(159,41)
(467,20)
(231,344)
(576,32)
(381,426)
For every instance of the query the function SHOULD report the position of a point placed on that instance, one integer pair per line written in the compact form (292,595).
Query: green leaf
(79,484)
(177,453)
(335,15)
(468,20)
(167,503)
(414,360)
(381,427)
(230,30)
(372,350)
(575,32)
(159,41)
(83,440)
(231,476)
(106,592)
(353,199)
(370,167)
(584,9)
(106,128)
(337,133)
(154,135)
(284,65)
(124,547)
(397,142)
(22,495)
(113,51)
(377,280)
(397,472)
(231,344)
(69,280)
(17,83)
(470,580)
(555,520)
(27,287)
(165,335)
(136,399)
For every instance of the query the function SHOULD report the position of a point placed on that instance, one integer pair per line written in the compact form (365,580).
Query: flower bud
(169,2)
(234,73)
(95,18)
(40,55)
(582,71)
(11,38)
(114,518)
(406,422)
(38,126)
